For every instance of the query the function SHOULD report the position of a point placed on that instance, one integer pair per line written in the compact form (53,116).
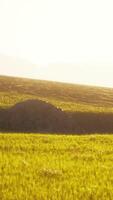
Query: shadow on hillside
(39,116)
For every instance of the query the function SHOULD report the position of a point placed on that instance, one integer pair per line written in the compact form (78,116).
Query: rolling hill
(68,97)
(42,106)
(51,166)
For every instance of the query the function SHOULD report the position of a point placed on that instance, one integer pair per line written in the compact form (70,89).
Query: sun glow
(69,41)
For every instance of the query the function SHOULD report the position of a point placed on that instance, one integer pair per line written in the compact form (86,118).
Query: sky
(63,40)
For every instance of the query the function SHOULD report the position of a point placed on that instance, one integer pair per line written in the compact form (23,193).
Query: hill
(39,116)
(33,116)
(68,97)
(43,106)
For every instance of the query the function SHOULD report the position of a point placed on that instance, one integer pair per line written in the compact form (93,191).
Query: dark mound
(39,116)
(33,115)
(91,122)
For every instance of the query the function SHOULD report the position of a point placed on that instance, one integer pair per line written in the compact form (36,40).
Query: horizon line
(56,81)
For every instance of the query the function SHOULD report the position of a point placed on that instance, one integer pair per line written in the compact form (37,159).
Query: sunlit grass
(68,97)
(9,99)
(44,167)
(56,167)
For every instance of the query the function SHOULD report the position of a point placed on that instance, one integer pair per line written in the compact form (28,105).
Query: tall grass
(47,167)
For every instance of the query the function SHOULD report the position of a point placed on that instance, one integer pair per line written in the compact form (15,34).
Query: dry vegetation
(68,97)
(47,167)
(56,167)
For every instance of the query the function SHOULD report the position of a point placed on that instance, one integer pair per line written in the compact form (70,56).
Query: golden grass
(44,167)
(68,97)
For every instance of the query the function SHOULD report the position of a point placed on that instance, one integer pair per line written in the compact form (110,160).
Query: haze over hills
(14,66)
(95,73)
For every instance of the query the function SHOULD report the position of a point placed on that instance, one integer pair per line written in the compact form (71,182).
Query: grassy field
(56,167)
(68,97)
(59,167)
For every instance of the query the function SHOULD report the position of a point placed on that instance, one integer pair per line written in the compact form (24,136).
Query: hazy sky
(66,40)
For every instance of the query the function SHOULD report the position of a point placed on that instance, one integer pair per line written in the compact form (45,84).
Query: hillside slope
(39,116)
(69,97)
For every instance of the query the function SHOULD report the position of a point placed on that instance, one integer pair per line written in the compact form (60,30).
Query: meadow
(68,97)
(56,167)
